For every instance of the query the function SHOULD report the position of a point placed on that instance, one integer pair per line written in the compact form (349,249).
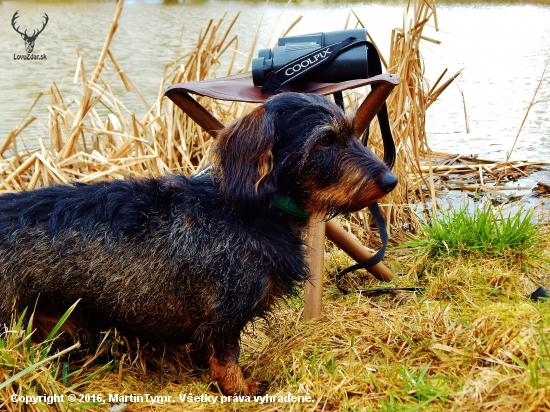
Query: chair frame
(381,87)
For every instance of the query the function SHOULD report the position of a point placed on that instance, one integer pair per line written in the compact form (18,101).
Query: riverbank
(472,341)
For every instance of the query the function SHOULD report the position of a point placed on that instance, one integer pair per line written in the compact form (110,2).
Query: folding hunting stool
(240,88)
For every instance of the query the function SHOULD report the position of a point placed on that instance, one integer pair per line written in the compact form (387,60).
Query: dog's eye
(326,141)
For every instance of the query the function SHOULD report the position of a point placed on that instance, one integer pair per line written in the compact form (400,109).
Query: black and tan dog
(190,260)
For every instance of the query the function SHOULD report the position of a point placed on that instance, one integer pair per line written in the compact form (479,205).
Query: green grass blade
(34,366)
(62,321)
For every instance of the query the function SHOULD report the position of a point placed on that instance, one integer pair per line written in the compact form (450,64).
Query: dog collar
(290,206)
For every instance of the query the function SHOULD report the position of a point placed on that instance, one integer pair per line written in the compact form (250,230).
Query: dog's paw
(254,388)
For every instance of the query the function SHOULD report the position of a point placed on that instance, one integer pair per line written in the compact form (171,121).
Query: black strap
(318,58)
(377,258)
(374,69)
(379,291)
(387,137)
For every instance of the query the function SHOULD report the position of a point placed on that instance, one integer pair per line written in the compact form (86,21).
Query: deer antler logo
(29,40)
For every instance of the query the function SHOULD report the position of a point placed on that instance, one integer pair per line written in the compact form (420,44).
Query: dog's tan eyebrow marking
(336,125)
(340,130)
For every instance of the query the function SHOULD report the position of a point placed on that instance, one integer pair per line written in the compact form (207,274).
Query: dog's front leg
(224,369)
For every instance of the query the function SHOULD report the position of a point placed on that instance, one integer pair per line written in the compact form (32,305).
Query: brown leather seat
(239,87)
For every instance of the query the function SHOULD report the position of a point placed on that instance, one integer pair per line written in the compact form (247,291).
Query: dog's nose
(388,182)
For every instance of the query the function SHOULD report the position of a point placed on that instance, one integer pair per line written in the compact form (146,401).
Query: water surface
(503,48)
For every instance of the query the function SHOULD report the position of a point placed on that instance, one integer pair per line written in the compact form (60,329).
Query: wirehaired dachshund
(190,259)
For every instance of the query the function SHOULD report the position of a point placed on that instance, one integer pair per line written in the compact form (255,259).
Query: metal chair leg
(195,111)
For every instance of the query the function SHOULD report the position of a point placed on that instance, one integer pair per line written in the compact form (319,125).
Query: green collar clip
(290,206)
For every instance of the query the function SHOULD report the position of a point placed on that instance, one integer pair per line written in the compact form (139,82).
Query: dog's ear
(243,162)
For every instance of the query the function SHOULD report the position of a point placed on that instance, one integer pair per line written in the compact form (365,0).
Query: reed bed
(95,137)
(470,173)
(473,341)
(98,138)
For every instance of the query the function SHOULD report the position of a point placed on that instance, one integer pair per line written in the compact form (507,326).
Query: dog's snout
(388,182)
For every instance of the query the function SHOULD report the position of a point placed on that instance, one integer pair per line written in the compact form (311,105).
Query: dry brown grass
(472,342)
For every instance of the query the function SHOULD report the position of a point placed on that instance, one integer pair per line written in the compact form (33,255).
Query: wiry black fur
(180,259)
(148,238)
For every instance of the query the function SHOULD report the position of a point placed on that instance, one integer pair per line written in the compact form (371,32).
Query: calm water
(502,46)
